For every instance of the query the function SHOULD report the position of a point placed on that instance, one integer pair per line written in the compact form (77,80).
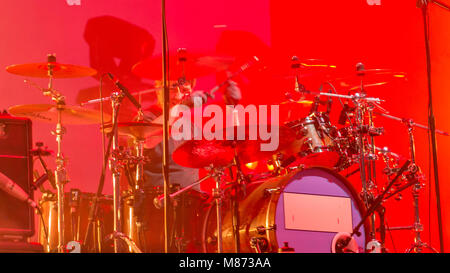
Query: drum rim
(271,208)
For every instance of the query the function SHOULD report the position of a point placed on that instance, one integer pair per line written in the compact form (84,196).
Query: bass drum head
(313,207)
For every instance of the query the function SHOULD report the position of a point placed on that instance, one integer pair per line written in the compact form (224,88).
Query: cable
(390,235)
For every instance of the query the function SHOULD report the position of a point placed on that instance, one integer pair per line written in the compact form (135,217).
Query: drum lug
(270,191)
(260,244)
(262,229)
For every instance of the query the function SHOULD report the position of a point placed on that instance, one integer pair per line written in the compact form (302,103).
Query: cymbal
(369,78)
(48,113)
(289,68)
(136,129)
(60,71)
(203,153)
(182,63)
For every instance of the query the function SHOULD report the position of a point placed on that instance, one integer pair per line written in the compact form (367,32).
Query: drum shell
(102,227)
(188,220)
(257,214)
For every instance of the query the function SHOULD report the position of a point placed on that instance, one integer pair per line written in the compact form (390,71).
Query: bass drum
(304,211)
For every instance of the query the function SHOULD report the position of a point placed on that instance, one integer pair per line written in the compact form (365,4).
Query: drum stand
(217,193)
(139,191)
(60,172)
(413,177)
(116,163)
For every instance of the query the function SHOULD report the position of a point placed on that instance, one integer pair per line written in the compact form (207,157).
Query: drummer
(178,95)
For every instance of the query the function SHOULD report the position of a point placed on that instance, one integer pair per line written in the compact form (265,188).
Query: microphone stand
(423,5)
(166,109)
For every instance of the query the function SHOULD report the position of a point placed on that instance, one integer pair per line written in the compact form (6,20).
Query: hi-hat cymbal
(59,71)
(49,113)
(183,64)
(137,129)
(203,153)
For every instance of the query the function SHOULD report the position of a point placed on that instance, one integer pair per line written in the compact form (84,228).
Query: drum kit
(299,203)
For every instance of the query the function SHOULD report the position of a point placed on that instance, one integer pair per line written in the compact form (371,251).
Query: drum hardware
(268,192)
(414,180)
(115,164)
(286,248)
(414,176)
(259,244)
(48,175)
(120,236)
(60,172)
(374,206)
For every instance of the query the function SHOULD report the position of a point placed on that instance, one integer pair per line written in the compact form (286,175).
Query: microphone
(39,181)
(124,90)
(11,188)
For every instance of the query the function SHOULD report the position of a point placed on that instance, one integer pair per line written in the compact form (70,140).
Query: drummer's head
(177,91)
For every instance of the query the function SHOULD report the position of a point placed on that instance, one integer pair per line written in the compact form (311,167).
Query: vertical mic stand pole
(423,4)
(166,109)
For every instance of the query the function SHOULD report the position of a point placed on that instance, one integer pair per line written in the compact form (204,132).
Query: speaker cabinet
(16,217)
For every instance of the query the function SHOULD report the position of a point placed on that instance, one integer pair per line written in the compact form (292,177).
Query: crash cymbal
(137,129)
(59,71)
(48,113)
(183,63)
(203,153)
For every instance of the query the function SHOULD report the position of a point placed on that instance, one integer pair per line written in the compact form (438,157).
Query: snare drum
(76,214)
(306,210)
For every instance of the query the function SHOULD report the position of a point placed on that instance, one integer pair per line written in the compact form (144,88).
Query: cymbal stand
(217,194)
(60,171)
(238,184)
(414,176)
(138,191)
(115,166)
(366,177)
